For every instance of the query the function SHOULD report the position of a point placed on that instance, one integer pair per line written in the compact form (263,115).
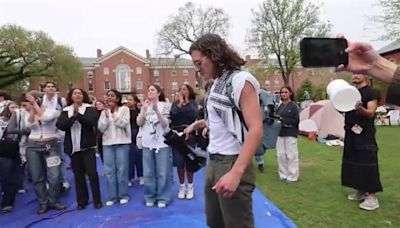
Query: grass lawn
(319,200)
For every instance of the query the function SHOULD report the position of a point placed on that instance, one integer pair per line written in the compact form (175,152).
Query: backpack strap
(228,91)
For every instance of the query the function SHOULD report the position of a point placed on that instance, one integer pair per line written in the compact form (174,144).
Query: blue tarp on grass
(180,213)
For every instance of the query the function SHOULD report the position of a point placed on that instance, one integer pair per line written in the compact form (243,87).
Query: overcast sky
(86,25)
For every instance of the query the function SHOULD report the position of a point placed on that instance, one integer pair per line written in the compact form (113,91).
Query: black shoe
(42,209)
(57,206)
(81,207)
(98,205)
(261,168)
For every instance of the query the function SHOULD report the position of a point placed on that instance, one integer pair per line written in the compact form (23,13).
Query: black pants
(10,179)
(83,163)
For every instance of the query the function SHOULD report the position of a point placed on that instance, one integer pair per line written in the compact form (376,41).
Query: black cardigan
(88,134)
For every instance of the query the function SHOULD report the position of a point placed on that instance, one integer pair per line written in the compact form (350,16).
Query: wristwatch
(396,77)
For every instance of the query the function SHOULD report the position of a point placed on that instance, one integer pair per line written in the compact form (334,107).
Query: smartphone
(323,52)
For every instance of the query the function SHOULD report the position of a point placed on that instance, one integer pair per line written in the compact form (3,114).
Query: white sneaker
(182,191)
(141,181)
(161,205)
(357,196)
(109,203)
(370,203)
(149,204)
(123,201)
(129,183)
(190,192)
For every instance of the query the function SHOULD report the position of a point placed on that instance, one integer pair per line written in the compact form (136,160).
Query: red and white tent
(321,117)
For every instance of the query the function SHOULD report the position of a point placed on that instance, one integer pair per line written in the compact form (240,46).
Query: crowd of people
(48,126)
(128,136)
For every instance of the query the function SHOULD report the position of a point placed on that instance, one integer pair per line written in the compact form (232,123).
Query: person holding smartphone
(363,59)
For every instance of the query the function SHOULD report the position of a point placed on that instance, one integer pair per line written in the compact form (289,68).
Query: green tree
(26,56)
(278,26)
(305,88)
(389,19)
(191,22)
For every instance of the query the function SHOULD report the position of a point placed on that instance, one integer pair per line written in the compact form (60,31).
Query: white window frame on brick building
(174,86)
(90,86)
(185,72)
(123,78)
(139,84)
(138,70)
(156,73)
(107,85)
(106,71)
(90,73)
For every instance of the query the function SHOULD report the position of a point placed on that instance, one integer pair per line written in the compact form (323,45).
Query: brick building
(128,72)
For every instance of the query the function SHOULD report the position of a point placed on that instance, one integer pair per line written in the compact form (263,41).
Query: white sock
(183,186)
(190,185)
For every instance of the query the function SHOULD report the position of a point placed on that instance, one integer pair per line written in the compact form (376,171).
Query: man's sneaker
(190,192)
(149,204)
(6,209)
(357,196)
(129,183)
(161,205)
(141,181)
(22,191)
(370,203)
(123,201)
(182,191)
(109,203)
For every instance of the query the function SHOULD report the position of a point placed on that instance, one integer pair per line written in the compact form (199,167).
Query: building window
(91,86)
(139,84)
(185,72)
(174,85)
(107,85)
(106,71)
(196,84)
(186,82)
(156,73)
(173,73)
(90,74)
(123,78)
(138,70)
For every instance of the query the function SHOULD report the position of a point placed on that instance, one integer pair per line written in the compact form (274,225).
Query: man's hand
(227,184)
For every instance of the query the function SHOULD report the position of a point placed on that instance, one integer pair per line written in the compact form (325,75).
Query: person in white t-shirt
(230,176)
(157,156)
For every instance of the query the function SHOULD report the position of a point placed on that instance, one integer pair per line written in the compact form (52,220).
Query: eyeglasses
(197,63)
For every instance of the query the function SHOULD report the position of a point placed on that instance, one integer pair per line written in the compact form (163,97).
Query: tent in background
(323,116)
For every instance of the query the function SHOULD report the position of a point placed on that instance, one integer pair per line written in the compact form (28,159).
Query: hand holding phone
(323,52)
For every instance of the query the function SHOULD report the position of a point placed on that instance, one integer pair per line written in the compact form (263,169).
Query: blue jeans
(157,171)
(135,158)
(116,163)
(44,163)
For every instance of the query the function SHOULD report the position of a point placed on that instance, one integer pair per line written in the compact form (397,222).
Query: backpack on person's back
(271,125)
